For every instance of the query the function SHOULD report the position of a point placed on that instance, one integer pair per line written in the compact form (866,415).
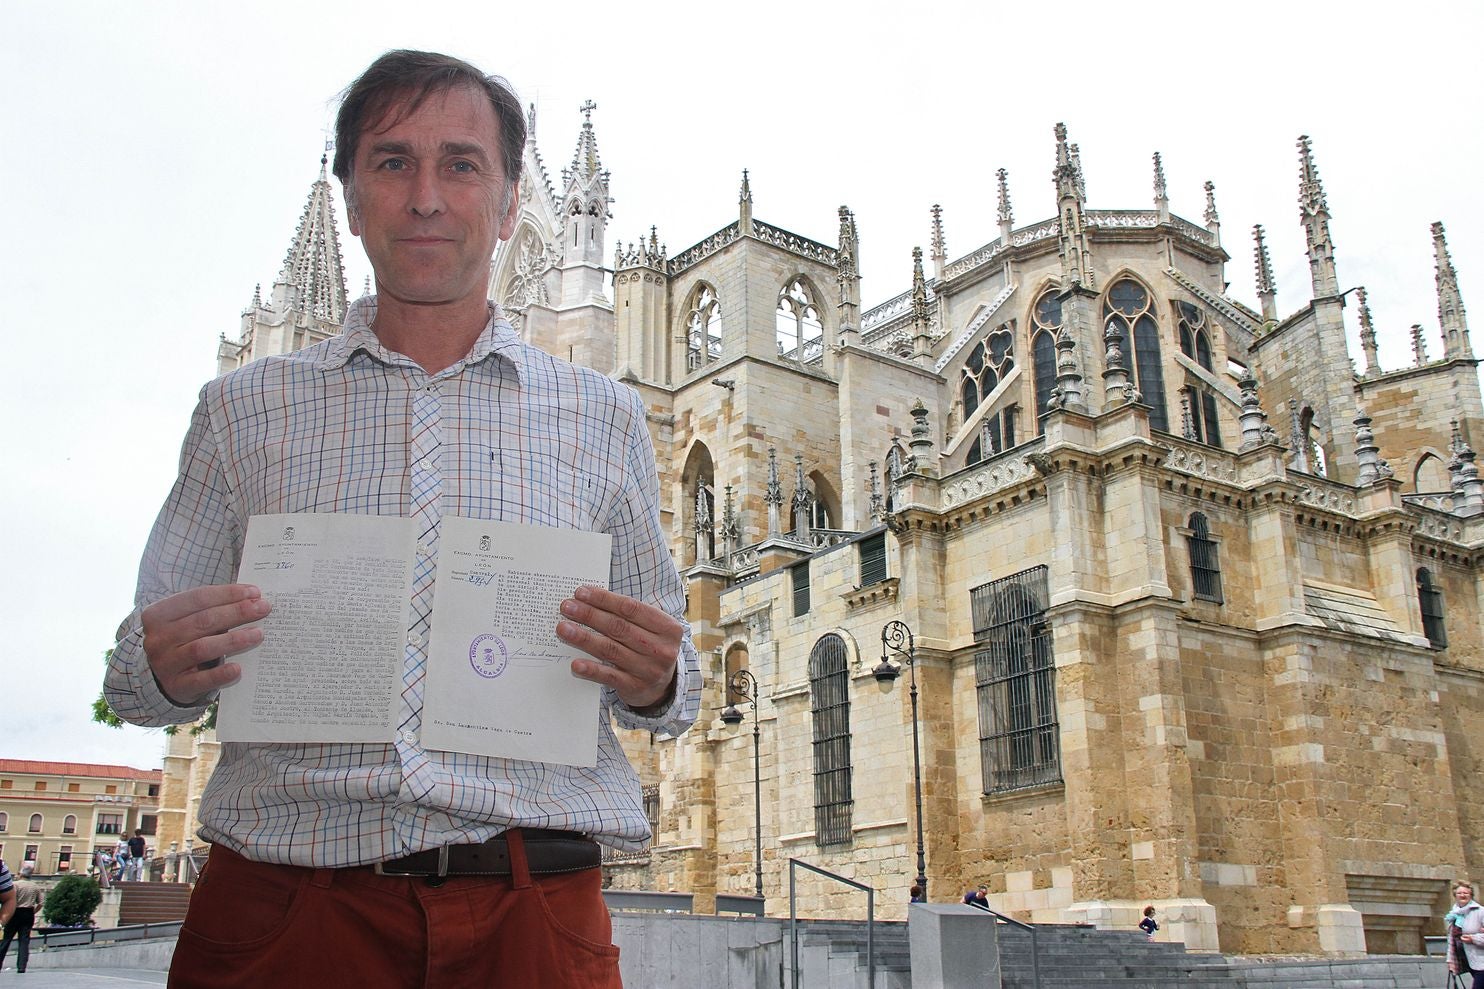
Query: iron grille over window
(1015,676)
(1430,600)
(1205,566)
(799,574)
(829,694)
(873,559)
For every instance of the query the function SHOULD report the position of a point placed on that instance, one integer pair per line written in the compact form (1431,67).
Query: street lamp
(744,685)
(897,637)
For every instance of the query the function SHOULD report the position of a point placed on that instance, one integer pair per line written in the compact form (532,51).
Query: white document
(329,666)
(499,680)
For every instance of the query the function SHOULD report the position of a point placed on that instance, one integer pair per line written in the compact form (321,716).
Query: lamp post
(744,685)
(897,637)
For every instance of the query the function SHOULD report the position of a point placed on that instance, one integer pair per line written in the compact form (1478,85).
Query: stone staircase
(152,903)
(832,955)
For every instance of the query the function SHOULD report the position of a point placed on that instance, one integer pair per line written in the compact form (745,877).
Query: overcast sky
(157,157)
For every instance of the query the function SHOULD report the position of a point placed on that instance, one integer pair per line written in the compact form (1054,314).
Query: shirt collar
(498,338)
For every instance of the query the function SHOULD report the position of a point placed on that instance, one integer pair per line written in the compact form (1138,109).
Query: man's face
(430,199)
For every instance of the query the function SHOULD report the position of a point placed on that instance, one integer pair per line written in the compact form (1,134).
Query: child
(1148,925)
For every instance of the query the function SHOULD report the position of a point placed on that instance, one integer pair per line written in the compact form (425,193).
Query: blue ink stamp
(488,655)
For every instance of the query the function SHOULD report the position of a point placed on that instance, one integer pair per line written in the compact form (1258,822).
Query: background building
(1194,598)
(56,814)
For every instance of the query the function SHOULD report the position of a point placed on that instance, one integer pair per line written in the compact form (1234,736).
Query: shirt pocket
(540,489)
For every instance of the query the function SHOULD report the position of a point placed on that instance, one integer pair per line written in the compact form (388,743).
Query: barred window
(873,559)
(652,808)
(1430,600)
(829,694)
(1205,565)
(1015,679)
(799,575)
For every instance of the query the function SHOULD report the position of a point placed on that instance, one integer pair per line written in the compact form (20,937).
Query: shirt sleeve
(643,569)
(193,544)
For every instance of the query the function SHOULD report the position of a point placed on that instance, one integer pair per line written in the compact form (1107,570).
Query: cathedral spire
(922,340)
(1451,314)
(1213,221)
(774,495)
(585,161)
(312,280)
(847,273)
(1267,292)
(744,204)
(1004,214)
(1161,190)
(1367,334)
(585,200)
(1076,258)
(1314,214)
(940,249)
(1419,345)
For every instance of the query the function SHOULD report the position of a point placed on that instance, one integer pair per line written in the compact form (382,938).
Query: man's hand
(637,642)
(187,635)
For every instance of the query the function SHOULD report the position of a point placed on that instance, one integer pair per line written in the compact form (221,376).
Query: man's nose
(426,194)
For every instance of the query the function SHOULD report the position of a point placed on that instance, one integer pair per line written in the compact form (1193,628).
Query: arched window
(1430,601)
(35,825)
(1205,565)
(895,461)
(703,330)
(1015,680)
(697,477)
(988,363)
(829,696)
(800,333)
(1195,343)
(1313,449)
(736,660)
(1045,321)
(1431,476)
(4,821)
(69,824)
(1130,310)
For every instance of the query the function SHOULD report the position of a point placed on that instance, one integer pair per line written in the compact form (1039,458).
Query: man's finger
(632,610)
(197,599)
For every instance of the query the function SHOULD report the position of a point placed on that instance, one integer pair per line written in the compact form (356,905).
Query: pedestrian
(1466,935)
(137,848)
(916,894)
(978,897)
(411,866)
(1149,925)
(27,907)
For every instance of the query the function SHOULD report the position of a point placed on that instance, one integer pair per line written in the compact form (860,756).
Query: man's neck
(434,335)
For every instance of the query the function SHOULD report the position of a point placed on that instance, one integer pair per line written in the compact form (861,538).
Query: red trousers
(258,926)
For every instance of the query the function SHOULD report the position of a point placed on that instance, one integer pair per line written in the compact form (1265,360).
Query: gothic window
(829,706)
(1313,449)
(1205,565)
(1195,343)
(1430,601)
(1431,477)
(799,579)
(1015,681)
(1045,321)
(703,330)
(873,559)
(1130,311)
(800,333)
(988,363)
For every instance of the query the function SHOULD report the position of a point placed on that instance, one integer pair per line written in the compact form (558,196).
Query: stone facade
(1194,603)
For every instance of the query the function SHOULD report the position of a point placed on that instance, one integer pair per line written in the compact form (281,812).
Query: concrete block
(952,945)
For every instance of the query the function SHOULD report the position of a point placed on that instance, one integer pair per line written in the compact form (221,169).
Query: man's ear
(352,212)
(512,210)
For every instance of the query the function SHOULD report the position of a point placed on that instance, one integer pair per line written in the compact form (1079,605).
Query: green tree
(72,901)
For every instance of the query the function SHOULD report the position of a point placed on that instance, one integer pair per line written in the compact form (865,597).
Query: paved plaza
(80,978)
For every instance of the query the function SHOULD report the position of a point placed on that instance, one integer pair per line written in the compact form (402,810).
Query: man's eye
(463,167)
(393,165)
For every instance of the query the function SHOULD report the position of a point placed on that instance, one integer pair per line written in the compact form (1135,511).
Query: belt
(547,852)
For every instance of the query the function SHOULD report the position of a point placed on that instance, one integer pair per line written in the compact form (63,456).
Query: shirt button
(410,737)
(425,465)
(415,640)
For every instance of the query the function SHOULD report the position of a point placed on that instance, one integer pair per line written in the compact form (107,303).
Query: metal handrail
(793,918)
(1035,952)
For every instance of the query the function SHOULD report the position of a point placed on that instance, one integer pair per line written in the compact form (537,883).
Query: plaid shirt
(508,433)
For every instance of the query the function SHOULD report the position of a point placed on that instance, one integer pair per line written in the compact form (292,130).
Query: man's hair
(414,76)
(26,870)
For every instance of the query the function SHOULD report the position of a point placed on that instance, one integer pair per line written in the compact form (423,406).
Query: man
(978,897)
(26,904)
(137,847)
(7,896)
(399,865)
